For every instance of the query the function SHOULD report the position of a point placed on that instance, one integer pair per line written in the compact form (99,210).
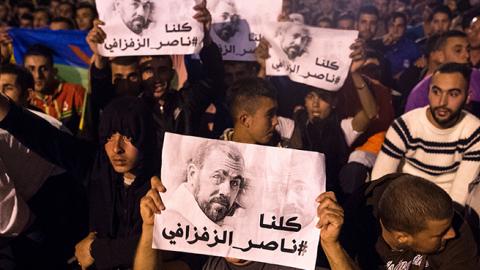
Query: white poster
(314,56)
(149,27)
(240,200)
(237,25)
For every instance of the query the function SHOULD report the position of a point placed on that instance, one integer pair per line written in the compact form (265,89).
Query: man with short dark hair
(61,23)
(438,142)
(367,22)
(397,222)
(294,39)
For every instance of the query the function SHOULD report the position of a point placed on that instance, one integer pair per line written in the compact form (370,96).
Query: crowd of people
(401,138)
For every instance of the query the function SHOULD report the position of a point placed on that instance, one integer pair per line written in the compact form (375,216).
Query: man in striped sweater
(439,142)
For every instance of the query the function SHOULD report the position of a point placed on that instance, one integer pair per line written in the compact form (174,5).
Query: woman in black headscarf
(117,171)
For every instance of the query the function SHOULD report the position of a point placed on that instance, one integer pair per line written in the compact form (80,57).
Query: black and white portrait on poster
(238,200)
(149,27)
(237,24)
(315,56)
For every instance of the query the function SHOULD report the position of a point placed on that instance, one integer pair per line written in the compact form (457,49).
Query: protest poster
(314,56)
(239,200)
(237,24)
(149,27)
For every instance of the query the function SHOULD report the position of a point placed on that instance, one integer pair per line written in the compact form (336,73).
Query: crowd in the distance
(80,166)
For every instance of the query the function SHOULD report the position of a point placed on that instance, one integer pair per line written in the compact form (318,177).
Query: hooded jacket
(114,209)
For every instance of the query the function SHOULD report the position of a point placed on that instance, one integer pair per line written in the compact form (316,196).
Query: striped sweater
(448,157)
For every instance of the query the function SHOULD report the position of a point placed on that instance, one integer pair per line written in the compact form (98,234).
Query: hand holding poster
(237,25)
(240,200)
(315,56)
(149,27)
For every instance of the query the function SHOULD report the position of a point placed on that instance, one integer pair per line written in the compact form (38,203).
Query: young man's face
(235,71)
(434,238)
(397,28)
(135,13)
(440,23)
(40,19)
(126,72)
(382,6)
(217,184)
(447,96)
(53,7)
(263,121)
(84,18)
(65,10)
(367,26)
(316,106)
(3,11)
(10,88)
(121,152)
(42,71)
(22,11)
(456,50)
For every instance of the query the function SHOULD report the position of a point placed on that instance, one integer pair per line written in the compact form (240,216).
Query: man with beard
(135,14)
(214,182)
(294,39)
(152,76)
(226,20)
(438,142)
(400,221)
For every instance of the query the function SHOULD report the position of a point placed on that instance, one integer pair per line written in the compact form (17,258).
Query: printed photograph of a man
(135,14)
(294,39)
(226,21)
(215,178)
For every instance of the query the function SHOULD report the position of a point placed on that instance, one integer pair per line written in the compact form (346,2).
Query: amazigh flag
(71,52)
